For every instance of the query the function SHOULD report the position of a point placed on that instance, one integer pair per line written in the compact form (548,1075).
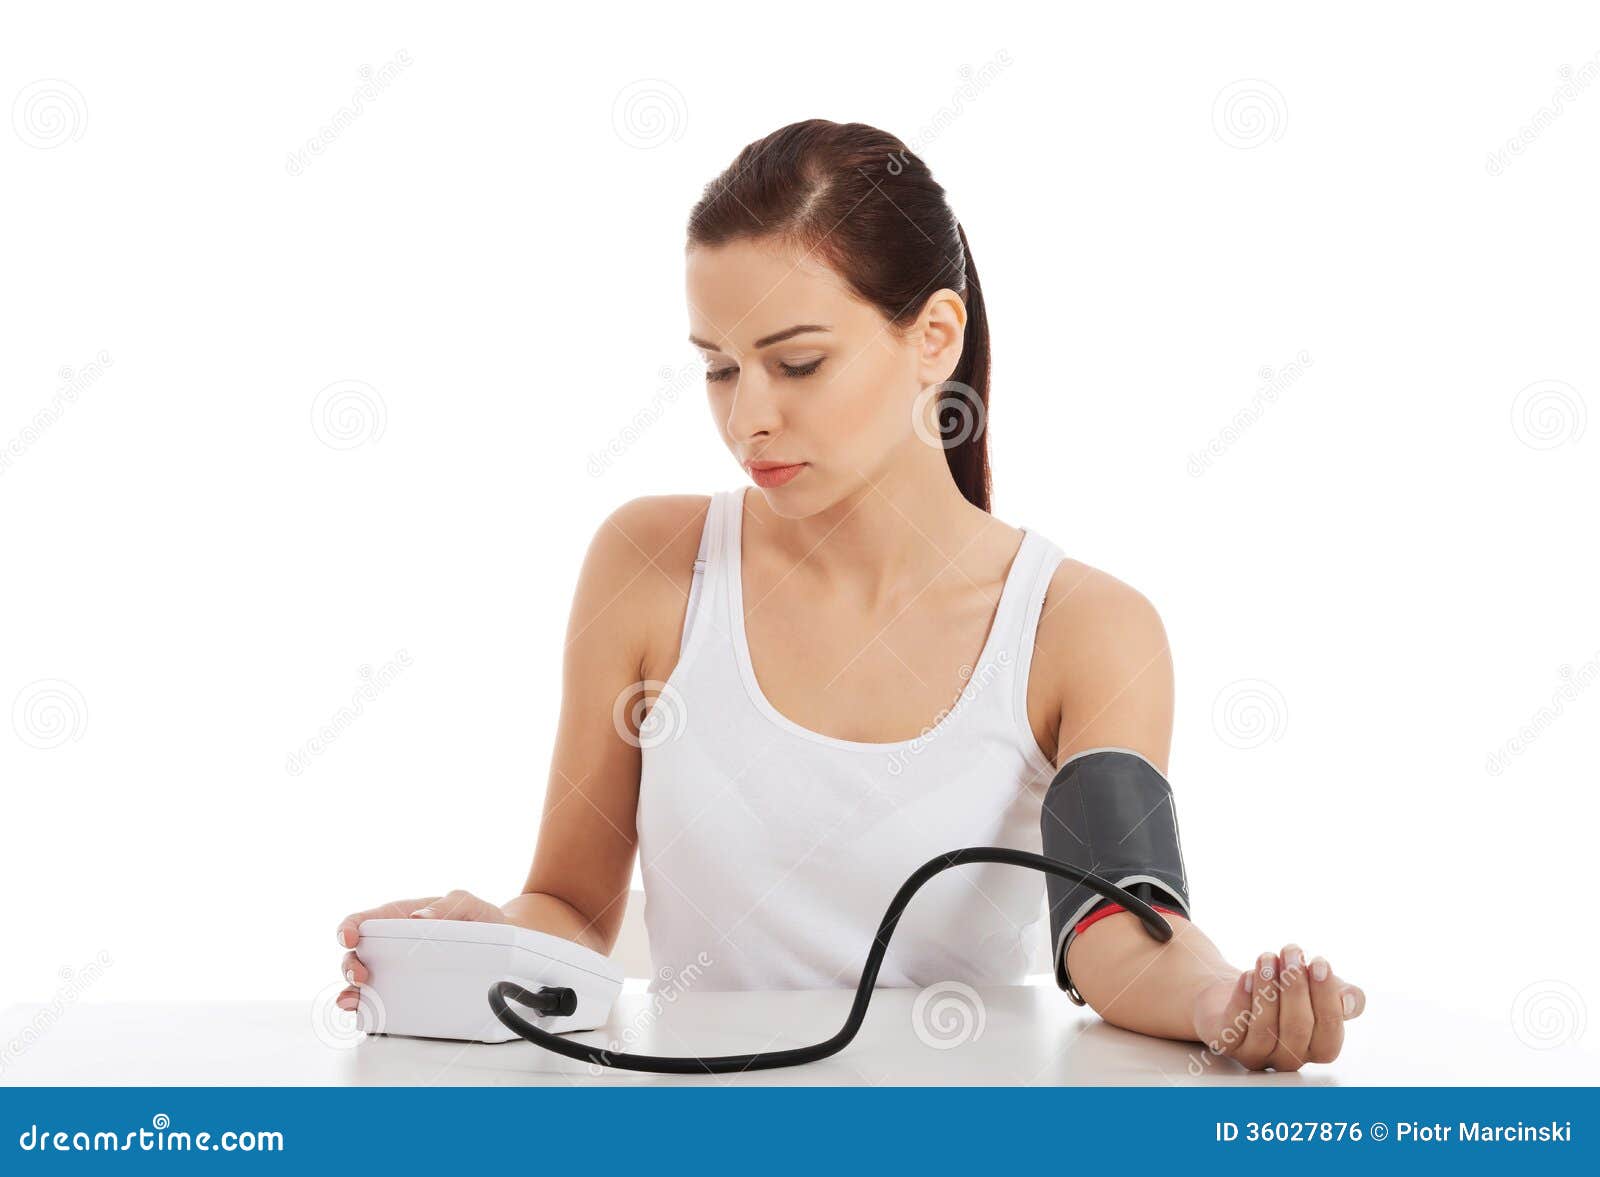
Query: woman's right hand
(458,905)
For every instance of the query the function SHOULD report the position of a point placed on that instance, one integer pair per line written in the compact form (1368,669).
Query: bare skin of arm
(1109,683)
(629,600)
(634,584)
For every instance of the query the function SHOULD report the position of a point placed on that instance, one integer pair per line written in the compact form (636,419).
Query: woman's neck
(905,528)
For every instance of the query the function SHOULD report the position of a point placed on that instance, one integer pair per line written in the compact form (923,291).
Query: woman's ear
(942,328)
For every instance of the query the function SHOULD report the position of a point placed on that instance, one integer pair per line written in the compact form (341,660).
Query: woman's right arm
(631,589)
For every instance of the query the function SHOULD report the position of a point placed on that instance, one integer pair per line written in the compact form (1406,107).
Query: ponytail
(964,409)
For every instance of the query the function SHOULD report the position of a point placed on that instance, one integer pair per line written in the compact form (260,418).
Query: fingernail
(422,913)
(1319,969)
(1293,958)
(350,975)
(1250,981)
(1349,1003)
(1266,969)
(339,936)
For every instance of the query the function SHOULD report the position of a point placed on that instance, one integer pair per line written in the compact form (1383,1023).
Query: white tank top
(769,851)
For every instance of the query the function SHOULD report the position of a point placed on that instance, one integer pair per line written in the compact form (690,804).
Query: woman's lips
(767,477)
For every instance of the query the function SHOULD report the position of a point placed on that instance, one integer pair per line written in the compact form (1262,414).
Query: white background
(1374,583)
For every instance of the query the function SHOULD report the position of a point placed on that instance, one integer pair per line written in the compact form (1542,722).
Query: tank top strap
(1011,611)
(704,570)
(1042,559)
(720,544)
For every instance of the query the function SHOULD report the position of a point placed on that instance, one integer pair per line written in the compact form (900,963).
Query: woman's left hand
(1283,1013)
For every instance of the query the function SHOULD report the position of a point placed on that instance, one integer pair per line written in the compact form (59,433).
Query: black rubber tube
(1153,922)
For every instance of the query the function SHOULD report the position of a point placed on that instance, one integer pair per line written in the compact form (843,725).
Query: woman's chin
(798,498)
(816,498)
(785,503)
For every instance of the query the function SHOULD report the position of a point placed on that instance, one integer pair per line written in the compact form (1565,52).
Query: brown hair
(867,206)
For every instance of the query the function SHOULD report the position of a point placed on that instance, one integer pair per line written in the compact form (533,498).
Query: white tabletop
(1026,1035)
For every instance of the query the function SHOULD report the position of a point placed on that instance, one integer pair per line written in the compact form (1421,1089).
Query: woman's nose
(752,411)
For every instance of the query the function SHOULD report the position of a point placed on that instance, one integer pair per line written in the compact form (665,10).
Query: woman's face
(812,389)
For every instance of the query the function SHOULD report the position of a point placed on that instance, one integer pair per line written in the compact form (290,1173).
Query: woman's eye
(794,371)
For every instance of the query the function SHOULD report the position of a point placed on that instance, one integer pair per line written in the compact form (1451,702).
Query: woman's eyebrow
(767,340)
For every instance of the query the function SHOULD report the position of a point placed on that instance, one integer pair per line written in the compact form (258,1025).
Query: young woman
(787,700)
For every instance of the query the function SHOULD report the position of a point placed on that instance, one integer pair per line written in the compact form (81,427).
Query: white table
(1028,1035)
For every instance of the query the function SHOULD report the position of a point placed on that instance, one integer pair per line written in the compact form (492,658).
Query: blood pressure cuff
(1109,811)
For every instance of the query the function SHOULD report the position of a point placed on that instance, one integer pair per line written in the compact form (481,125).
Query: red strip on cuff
(1105,911)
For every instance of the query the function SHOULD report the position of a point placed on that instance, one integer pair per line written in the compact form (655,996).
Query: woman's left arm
(1110,670)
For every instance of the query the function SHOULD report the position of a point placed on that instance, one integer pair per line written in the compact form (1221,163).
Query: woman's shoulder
(1089,613)
(638,572)
(660,519)
(1103,655)
(1081,594)
(653,533)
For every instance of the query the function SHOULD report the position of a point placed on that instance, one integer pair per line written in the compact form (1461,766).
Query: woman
(788,700)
